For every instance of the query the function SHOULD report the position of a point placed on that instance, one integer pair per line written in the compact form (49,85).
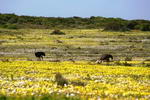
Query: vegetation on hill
(12,21)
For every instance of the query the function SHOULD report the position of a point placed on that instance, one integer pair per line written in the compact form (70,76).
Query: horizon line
(70,16)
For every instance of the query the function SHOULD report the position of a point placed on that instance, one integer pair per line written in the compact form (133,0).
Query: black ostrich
(105,57)
(40,55)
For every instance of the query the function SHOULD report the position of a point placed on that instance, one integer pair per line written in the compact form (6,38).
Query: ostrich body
(40,55)
(105,57)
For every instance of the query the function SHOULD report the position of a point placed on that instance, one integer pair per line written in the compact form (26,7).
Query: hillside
(12,21)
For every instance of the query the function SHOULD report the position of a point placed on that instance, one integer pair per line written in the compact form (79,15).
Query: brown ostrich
(105,58)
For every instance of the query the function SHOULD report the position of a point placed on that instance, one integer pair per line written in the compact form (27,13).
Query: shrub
(60,79)
(57,32)
(10,26)
(145,27)
(115,26)
(132,24)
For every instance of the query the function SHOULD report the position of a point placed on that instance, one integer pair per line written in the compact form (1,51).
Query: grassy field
(22,77)
(36,78)
(76,44)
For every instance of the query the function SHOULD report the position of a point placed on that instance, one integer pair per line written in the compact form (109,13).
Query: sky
(126,9)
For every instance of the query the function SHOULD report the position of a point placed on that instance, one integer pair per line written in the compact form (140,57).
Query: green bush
(10,26)
(132,24)
(145,27)
(57,32)
(60,79)
(115,26)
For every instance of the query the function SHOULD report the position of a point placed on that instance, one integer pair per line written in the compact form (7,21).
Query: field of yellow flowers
(101,81)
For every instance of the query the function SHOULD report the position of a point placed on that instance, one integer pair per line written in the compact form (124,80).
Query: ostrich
(40,55)
(105,57)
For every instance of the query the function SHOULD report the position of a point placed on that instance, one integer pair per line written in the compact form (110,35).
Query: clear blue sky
(126,9)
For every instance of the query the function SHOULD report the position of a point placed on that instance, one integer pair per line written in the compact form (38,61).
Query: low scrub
(57,32)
